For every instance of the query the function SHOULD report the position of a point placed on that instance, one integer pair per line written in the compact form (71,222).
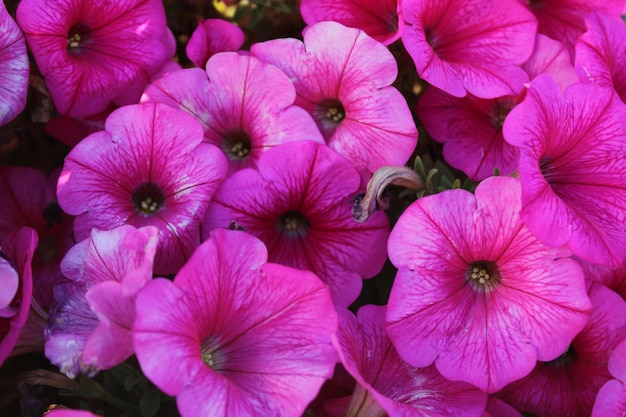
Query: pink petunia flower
(93,52)
(245,106)
(213,36)
(343,79)
(567,386)
(389,386)
(572,167)
(382,20)
(234,335)
(89,327)
(14,68)
(299,203)
(470,46)
(16,286)
(148,168)
(600,52)
(564,20)
(476,292)
(471,127)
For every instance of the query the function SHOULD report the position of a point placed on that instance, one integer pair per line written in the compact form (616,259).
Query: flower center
(236,144)
(293,224)
(483,275)
(77,38)
(211,355)
(500,111)
(148,199)
(330,113)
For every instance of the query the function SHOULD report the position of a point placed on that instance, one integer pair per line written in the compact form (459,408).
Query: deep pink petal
(611,400)
(599,53)
(213,36)
(382,20)
(551,57)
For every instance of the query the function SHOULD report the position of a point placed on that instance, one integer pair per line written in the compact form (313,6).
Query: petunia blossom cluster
(315,208)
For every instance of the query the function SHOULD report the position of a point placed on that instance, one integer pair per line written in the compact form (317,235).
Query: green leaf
(149,403)
(418,166)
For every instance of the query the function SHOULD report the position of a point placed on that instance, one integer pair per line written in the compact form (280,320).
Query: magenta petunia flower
(470,46)
(245,106)
(382,20)
(343,79)
(389,386)
(93,52)
(567,386)
(213,36)
(476,292)
(148,168)
(299,203)
(234,335)
(564,20)
(89,326)
(600,52)
(571,167)
(16,285)
(471,127)
(14,68)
